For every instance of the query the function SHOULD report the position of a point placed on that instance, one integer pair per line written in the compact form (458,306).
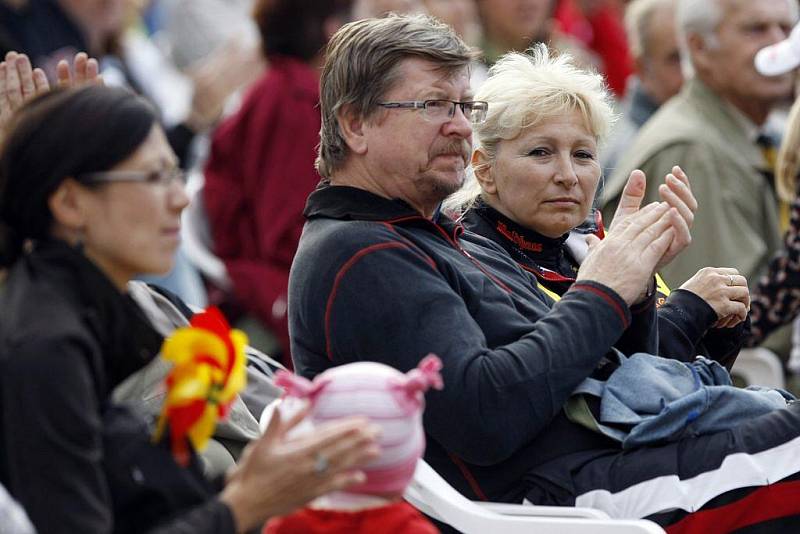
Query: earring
(79,240)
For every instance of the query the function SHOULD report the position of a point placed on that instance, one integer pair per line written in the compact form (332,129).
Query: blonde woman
(535,173)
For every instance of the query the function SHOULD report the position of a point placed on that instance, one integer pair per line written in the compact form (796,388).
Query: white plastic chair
(759,367)
(432,495)
(196,235)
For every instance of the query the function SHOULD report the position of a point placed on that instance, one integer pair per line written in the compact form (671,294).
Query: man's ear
(351,125)
(482,168)
(66,204)
(698,50)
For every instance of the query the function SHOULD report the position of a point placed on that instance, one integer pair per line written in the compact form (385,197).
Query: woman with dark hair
(261,166)
(90,195)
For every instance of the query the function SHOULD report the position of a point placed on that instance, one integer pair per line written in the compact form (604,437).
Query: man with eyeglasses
(382,275)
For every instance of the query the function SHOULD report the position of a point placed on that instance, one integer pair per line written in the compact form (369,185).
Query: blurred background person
(190,30)
(261,165)
(462,15)
(650,27)
(365,9)
(515,25)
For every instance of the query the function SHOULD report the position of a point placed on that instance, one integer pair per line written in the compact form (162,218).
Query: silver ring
(320,464)
(730,280)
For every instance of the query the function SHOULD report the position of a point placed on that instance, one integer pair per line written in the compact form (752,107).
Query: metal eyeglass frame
(475,105)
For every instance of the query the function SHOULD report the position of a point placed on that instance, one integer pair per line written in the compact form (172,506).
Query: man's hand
(725,290)
(626,259)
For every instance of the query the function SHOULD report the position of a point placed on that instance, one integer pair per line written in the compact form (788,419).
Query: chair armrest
(543,511)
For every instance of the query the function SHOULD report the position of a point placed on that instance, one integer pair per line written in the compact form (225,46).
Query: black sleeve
(643,334)
(724,344)
(503,395)
(683,320)
(212,517)
(52,437)
(685,324)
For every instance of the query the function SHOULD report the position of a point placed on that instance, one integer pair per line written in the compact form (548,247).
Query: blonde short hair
(523,90)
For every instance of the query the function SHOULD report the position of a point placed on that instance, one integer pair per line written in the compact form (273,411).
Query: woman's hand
(278,474)
(625,260)
(676,191)
(725,290)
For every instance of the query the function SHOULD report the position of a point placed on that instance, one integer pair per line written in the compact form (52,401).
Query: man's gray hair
(639,21)
(361,65)
(702,17)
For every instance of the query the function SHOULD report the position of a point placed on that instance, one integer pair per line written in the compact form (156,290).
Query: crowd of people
(565,217)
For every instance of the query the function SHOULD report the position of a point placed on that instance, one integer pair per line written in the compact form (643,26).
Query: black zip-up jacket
(374,280)
(77,462)
(685,321)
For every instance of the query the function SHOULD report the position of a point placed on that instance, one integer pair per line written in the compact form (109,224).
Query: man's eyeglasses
(441,110)
(163,177)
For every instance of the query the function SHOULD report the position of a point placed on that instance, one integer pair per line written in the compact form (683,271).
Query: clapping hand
(20,82)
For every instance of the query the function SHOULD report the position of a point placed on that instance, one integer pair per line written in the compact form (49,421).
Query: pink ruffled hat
(388,398)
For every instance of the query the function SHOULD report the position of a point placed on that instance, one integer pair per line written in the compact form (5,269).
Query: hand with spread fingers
(277,474)
(676,192)
(19,83)
(725,290)
(84,70)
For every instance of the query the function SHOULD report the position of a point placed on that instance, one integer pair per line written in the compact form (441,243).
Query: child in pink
(395,402)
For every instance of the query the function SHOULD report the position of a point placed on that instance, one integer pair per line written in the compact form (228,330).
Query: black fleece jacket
(685,321)
(374,280)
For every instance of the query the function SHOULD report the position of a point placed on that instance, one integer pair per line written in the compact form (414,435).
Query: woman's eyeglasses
(442,110)
(163,177)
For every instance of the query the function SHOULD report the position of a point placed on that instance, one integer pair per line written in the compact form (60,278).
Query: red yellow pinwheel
(208,372)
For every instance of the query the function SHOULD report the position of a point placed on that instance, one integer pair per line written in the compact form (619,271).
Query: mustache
(454,148)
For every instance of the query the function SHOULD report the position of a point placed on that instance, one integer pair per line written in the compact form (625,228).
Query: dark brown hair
(296,28)
(64,133)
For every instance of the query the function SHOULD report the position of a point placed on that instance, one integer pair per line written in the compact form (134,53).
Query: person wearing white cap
(713,130)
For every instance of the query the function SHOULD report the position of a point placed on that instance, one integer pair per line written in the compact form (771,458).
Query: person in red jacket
(261,165)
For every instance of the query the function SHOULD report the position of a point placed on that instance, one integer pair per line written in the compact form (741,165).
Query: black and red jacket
(685,321)
(374,280)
